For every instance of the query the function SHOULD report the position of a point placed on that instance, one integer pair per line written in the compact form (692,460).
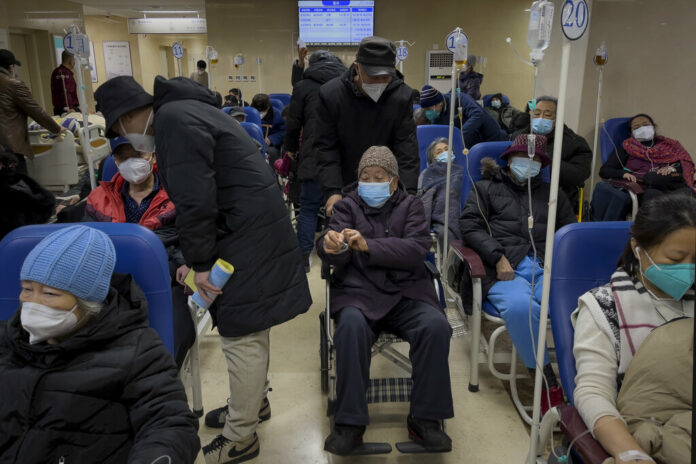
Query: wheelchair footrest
(390,390)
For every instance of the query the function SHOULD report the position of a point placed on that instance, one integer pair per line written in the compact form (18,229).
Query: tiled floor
(486,427)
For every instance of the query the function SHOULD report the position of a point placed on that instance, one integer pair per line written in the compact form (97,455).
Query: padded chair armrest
(325,270)
(586,446)
(432,269)
(470,257)
(628,185)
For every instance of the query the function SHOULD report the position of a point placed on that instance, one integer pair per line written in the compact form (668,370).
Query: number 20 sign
(575,17)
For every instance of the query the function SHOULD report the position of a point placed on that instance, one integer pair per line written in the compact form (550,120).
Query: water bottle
(539,32)
(219,275)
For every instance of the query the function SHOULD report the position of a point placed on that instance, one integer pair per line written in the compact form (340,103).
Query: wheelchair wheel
(323,355)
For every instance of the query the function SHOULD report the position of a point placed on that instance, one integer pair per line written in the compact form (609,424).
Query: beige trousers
(247,366)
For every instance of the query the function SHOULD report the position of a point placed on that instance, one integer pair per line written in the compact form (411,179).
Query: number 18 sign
(575,17)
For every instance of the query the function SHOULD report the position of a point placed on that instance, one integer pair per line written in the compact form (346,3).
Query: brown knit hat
(379,156)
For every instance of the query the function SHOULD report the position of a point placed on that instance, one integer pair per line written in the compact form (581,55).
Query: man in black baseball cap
(369,105)
(123,100)
(8,59)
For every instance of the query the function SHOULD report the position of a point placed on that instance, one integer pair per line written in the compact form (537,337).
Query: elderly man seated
(377,239)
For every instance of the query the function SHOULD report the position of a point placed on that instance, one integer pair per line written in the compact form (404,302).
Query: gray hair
(91,308)
(431,148)
(546,98)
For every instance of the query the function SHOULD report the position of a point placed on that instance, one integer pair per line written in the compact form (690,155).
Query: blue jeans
(311,197)
(511,299)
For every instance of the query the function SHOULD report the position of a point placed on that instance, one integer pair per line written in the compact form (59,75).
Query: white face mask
(374,91)
(135,170)
(644,133)
(263,114)
(43,322)
(141,142)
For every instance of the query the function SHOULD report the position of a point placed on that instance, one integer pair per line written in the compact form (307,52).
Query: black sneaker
(429,434)
(224,451)
(216,418)
(307,260)
(344,439)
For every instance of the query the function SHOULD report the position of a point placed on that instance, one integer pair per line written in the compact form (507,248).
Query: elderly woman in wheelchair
(633,385)
(377,240)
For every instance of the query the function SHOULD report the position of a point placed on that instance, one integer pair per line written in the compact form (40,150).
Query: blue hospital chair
(252,116)
(277,105)
(614,132)
(139,252)
(255,132)
(585,257)
(284,98)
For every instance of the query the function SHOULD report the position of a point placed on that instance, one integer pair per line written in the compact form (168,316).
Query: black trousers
(427,331)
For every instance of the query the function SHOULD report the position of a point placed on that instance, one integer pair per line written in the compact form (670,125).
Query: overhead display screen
(336,22)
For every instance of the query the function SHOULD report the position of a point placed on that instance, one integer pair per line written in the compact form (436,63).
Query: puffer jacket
(398,238)
(433,188)
(16,103)
(107,394)
(276,126)
(349,122)
(229,206)
(105,204)
(576,159)
(505,204)
(302,115)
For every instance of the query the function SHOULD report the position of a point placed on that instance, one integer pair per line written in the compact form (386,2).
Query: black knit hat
(118,96)
(377,56)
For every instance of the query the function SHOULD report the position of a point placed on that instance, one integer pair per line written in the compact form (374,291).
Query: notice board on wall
(117,59)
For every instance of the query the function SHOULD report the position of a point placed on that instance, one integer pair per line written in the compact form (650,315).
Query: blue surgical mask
(542,126)
(374,194)
(673,279)
(432,115)
(443,157)
(524,168)
(495,103)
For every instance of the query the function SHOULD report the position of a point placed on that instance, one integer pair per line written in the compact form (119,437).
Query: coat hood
(125,309)
(324,70)
(181,88)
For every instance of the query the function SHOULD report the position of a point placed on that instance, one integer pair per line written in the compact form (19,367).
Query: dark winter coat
(505,204)
(433,188)
(398,238)
(503,116)
(274,125)
(478,126)
(470,83)
(576,160)
(24,201)
(349,123)
(228,206)
(107,394)
(302,115)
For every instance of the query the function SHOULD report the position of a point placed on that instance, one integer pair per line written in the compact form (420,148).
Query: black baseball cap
(377,56)
(7,59)
(118,96)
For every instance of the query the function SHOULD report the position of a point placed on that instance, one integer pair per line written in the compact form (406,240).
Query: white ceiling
(135,8)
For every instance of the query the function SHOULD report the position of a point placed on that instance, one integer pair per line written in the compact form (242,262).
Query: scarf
(665,151)
(626,313)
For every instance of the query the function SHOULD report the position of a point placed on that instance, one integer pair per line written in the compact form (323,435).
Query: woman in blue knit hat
(90,381)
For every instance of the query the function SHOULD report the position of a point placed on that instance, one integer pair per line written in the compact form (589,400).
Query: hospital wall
(651,66)
(268,31)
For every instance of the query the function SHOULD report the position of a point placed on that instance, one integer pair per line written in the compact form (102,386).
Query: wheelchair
(380,390)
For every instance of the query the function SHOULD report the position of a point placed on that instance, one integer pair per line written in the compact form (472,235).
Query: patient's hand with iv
(334,242)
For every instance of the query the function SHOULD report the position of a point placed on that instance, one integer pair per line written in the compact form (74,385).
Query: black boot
(428,433)
(344,439)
